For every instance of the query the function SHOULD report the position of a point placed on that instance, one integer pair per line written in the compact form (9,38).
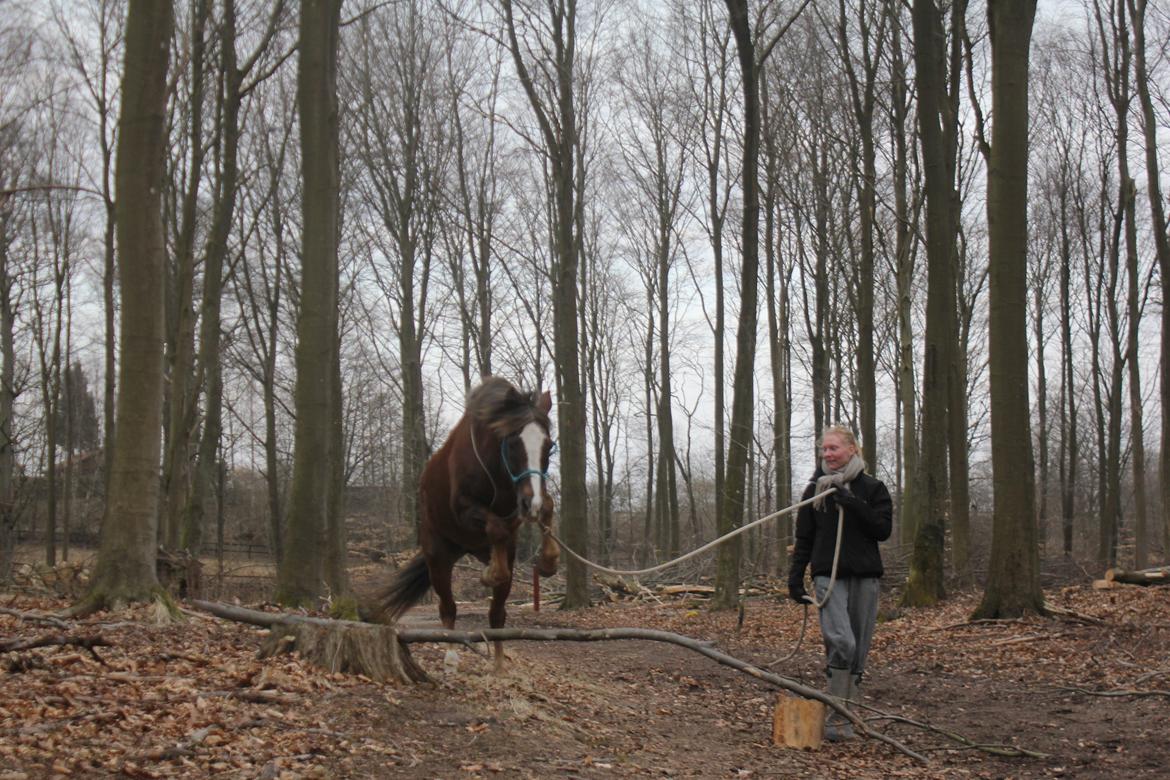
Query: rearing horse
(474,493)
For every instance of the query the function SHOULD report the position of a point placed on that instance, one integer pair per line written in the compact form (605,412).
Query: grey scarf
(838,479)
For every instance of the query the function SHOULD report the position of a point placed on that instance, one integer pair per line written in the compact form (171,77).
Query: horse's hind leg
(441,567)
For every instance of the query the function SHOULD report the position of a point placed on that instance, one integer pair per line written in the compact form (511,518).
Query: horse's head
(521,423)
(525,454)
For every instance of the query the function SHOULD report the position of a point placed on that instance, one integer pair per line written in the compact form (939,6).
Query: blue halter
(527,472)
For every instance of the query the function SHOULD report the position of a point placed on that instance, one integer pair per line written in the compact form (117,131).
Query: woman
(849,614)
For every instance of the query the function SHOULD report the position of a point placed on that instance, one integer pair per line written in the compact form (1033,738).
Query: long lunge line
(687,556)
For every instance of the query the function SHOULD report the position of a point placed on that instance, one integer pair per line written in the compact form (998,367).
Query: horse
(475,491)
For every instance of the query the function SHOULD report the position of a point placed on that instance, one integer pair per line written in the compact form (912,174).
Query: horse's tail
(409,585)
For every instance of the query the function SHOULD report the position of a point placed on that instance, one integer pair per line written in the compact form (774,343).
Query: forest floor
(192,699)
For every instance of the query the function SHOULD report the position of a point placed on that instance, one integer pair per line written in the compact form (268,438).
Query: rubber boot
(854,691)
(837,726)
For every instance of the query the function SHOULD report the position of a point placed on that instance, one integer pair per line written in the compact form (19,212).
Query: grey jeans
(847,621)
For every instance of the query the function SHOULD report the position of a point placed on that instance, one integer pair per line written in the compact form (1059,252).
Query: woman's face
(836,451)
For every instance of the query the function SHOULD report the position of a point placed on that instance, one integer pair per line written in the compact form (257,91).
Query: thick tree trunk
(302,570)
(936,115)
(1013,583)
(125,569)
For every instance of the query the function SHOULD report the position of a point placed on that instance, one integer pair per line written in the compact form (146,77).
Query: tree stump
(180,572)
(349,648)
(798,723)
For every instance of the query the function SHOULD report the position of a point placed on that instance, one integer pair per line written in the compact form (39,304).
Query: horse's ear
(544,403)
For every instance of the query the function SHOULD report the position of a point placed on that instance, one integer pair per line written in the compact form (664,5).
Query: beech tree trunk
(125,568)
(1013,583)
(301,574)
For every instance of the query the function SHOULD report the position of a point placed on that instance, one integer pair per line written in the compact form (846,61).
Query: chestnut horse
(474,493)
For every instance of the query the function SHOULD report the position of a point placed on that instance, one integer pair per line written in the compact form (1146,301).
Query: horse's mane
(497,405)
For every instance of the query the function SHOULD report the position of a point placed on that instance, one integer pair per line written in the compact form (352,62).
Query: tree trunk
(1013,583)
(937,117)
(181,396)
(743,390)
(8,514)
(904,215)
(125,569)
(210,361)
(1068,410)
(303,567)
(777,337)
(1137,9)
(559,130)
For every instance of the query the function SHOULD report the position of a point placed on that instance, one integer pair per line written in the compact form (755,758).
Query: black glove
(797,593)
(852,503)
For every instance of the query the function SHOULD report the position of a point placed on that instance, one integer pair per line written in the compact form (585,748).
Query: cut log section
(1156,576)
(798,723)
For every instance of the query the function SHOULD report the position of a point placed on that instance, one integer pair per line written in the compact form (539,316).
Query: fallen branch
(183,748)
(1156,576)
(1071,615)
(980,622)
(1007,751)
(1119,692)
(55,640)
(33,617)
(1015,640)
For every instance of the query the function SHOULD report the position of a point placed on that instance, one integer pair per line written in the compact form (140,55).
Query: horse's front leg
(498,613)
(550,551)
(499,571)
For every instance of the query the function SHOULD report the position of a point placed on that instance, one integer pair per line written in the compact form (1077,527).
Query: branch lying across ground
(1007,751)
(1117,692)
(54,640)
(33,617)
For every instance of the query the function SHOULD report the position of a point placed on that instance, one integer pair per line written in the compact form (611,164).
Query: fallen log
(55,640)
(1157,576)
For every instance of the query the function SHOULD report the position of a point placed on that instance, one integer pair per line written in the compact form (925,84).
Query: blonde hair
(845,433)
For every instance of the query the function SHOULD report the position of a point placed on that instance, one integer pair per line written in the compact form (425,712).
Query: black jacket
(816,532)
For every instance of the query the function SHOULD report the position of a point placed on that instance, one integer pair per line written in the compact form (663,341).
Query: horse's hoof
(547,568)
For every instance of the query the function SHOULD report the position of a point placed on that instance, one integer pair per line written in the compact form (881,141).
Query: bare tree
(126,558)
(938,75)
(553,55)
(305,566)
(1013,584)
(1137,12)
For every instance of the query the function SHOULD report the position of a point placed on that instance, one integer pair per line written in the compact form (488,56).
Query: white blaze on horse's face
(533,437)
